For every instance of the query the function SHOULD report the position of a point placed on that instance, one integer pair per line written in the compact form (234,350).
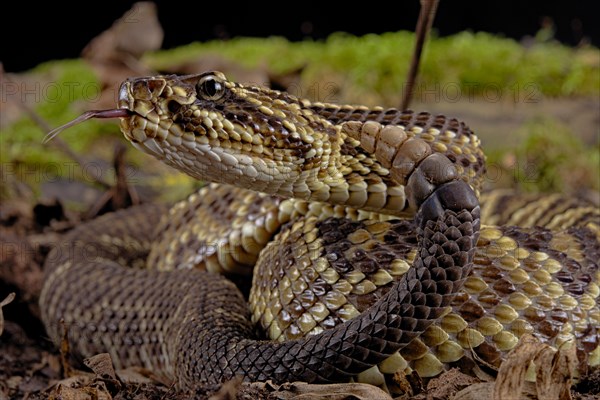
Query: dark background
(32,33)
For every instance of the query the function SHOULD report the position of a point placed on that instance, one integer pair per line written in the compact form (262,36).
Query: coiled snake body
(319,199)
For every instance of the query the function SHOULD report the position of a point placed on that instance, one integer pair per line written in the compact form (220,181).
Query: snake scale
(362,227)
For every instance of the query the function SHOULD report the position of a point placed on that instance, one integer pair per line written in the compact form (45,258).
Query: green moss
(476,62)
(69,85)
(549,158)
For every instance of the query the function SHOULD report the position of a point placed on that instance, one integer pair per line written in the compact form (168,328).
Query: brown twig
(121,194)
(65,349)
(44,126)
(426,16)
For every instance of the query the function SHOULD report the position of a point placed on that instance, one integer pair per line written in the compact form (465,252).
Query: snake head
(221,131)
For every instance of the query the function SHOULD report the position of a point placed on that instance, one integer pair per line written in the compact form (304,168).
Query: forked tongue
(114,113)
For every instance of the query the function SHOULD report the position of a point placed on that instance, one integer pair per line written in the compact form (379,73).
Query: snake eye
(209,88)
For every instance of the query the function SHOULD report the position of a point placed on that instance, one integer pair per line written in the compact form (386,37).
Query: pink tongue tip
(114,113)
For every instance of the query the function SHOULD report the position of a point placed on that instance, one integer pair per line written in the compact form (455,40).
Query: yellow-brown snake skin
(361,230)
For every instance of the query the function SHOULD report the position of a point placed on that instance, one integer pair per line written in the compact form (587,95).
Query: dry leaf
(339,391)
(137,375)
(553,380)
(477,391)
(447,384)
(135,33)
(84,393)
(102,366)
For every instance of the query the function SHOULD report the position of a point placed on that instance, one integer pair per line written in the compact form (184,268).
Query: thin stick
(426,16)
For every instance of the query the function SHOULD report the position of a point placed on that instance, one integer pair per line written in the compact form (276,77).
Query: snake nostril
(173,106)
